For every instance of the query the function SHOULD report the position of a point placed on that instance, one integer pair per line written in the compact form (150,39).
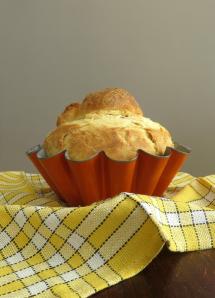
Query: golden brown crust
(161,138)
(54,142)
(113,101)
(109,121)
(119,137)
(69,113)
(117,100)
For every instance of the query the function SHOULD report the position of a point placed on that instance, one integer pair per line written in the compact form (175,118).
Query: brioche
(111,121)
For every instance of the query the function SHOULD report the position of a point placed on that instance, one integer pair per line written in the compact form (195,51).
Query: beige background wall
(55,51)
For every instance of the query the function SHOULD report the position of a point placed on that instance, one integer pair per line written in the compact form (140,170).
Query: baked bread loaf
(111,121)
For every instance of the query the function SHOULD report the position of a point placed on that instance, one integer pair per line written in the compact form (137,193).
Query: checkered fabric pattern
(50,250)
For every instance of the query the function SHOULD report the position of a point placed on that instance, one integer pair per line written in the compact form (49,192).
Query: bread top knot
(112,101)
(116,100)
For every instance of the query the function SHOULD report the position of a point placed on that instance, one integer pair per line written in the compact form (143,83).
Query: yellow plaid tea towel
(50,250)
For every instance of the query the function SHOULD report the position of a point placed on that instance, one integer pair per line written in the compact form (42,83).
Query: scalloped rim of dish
(41,154)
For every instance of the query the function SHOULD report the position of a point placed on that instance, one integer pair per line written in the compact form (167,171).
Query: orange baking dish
(98,178)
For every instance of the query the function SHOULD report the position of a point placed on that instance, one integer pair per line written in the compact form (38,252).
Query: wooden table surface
(170,275)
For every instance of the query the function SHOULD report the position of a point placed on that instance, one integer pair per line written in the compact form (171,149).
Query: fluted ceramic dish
(98,178)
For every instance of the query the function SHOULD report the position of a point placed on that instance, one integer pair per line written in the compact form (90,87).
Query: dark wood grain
(170,275)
